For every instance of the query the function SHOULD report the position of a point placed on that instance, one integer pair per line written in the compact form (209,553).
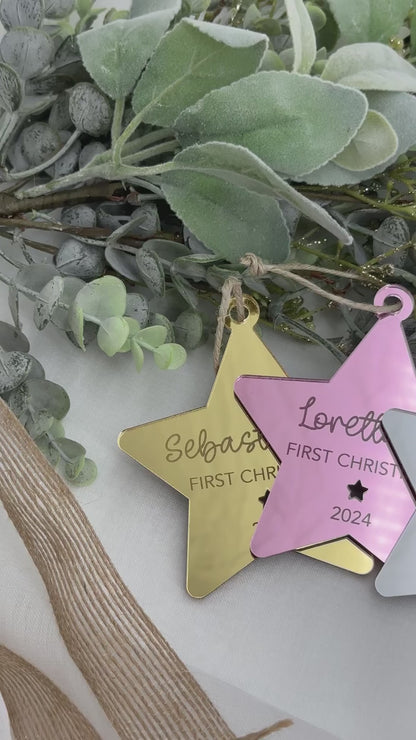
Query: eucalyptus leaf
(73,469)
(189,328)
(76,324)
(27,50)
(36,371)
(185,289)
(282,119)
(87,475)
(194,266)
(158,319)
(71,286)
(47,396)
(116,54)
(89,152)
(39,143)
(47,449)
(369,20)
(18,401)
(35,276)
(112,334)
(80,260)
(81,215)
(374,143)
(192,59)
(151,270)
(170,356)
(89,109)
(49,298)
(14,368)
(134,328)
(303,36)
(400,110)
(167,250)
(38,423)
(122,262)
(70,451)
(138,355)
(58,8)
(12,340)
(392,232)
(11,91)
(370,66)
(13,301)
(57,429)
(103,298)
(142,7)
(21,13)
(145,220)
(59,117)
(137,307)
(68,162)
(153,336)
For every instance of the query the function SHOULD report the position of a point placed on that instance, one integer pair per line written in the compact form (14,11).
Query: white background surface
(307,638)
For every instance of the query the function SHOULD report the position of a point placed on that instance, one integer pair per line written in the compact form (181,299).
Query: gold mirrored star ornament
(224,467)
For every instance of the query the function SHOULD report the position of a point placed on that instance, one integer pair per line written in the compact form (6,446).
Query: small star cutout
(264,498)
(357,490)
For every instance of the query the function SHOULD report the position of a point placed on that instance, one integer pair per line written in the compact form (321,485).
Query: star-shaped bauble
(326,434)
(215,458)
(398,575)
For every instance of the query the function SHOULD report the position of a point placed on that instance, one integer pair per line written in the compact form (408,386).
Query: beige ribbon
(144,688)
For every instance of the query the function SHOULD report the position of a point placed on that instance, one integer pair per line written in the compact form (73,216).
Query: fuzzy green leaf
(192,59)
(102,298)
(370,67)
(71,452)
(374,143)
(170,356)
(142,7)
(369,20)
(400,110)
(225,194)
(282,119)
(115,54)
(112,334)
(303,36)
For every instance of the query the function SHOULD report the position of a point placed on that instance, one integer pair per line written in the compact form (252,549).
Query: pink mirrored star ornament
(338,476)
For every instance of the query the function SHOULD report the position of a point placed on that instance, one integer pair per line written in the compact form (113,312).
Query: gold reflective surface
(217,459)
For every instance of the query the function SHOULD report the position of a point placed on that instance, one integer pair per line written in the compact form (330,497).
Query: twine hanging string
(230,289)
(258,268)
(140,682)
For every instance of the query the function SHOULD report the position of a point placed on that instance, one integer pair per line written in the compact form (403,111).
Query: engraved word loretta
(367,427)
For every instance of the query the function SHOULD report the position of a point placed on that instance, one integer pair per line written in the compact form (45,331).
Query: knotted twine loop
(230,289)
(258,268)
(144,688)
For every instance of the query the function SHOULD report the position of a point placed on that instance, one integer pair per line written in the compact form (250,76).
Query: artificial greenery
(164,143)
(40,405)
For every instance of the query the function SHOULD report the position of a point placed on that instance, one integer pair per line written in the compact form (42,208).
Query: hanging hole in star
(251,313)
(395,295)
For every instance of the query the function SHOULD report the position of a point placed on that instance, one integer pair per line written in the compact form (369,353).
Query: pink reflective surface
(328,437)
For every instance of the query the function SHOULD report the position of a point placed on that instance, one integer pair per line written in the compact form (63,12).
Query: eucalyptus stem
(117,119)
